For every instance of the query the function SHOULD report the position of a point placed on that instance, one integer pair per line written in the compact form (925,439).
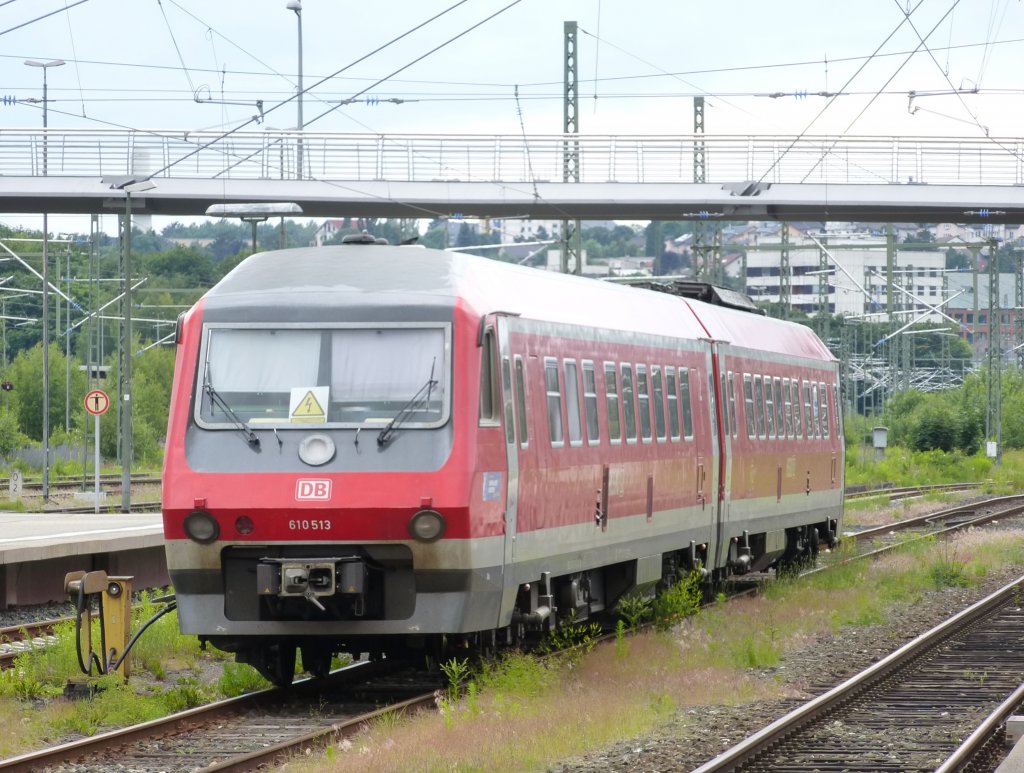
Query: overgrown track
(894,493)
(880,539)
(18,639)
(908,712)
(248,732)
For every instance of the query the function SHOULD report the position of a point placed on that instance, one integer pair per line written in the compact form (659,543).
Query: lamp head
(55,62)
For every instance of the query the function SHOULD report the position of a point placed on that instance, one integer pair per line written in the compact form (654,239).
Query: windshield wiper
(422,396)
(216,399)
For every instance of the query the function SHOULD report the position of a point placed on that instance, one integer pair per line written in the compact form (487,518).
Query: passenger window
(838,411)
(769,406)
(673,403)
(787,411)
(554,395)
(808,415)
(824,411)
(725,403)
(816,423)
(628,406)
(759,406)
(524,435)
(780,426)
(797,425)
(611,401)
(748,404)
(506,398)
(684,402)
(590,403)
(488,381)
(732,405)
(572,403)
(645,403)
(658,394)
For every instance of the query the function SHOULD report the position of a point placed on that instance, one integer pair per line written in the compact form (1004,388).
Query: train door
(512,403)
(708,452)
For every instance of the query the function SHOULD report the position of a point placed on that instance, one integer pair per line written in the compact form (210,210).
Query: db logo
(313,489)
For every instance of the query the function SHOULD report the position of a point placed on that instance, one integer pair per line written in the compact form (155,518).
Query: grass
(724,654)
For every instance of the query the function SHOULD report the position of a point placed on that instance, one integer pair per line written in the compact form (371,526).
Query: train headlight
(201,527)
(316,450)
(427,526)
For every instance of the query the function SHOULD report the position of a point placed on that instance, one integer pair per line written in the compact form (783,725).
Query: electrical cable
(608,79)
(78,71)
(871,101)
(241,126)
(65,9)
(181,59)
(946,76)
(821,112)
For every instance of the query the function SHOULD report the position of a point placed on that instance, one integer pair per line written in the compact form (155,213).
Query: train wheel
(317,660)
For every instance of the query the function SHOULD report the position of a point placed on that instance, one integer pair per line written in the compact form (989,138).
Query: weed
(473,699)
(387,720)
(947,571)
(634,609)
(677,602)
(186,694)
(516,674)
(621,645)
(239,678)
(456,671)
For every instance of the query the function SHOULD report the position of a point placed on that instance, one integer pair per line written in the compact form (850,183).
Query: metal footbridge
(751,177)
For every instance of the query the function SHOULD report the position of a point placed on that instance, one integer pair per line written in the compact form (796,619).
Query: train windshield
(341,376)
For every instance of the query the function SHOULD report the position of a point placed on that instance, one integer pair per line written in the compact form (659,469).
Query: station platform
(38,549)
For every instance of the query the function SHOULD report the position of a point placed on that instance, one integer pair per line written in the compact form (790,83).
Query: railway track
(281,730)
(911,711)
(248,732)
(880,539)
(17,639)
(895,493)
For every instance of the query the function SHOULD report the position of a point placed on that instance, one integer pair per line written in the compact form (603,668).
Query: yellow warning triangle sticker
(309,410)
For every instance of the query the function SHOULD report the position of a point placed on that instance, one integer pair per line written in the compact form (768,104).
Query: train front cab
(358,564)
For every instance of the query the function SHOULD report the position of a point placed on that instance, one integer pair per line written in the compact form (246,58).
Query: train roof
(377,275)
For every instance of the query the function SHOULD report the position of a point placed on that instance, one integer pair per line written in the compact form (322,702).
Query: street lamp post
(46,289)
(296,5)
(129,185)
(254,213)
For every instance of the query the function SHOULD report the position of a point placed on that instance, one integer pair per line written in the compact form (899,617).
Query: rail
(271,155)
(770,737)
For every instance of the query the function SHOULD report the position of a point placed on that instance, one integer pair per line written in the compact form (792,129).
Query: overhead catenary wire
(242,125)
(846,85)
(506,86)
(65,9)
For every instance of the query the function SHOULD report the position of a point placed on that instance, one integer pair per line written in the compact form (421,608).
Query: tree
(181,267)
(922,240)
(955,259)
(26,373)
(937,428)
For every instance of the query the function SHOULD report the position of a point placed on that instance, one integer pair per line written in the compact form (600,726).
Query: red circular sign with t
(97,402)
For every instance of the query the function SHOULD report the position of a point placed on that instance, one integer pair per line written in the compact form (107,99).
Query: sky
(496,66)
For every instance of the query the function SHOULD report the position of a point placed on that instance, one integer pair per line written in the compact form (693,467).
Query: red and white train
(373,448)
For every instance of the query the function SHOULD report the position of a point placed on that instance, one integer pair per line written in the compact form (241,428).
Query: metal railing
(270,155)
